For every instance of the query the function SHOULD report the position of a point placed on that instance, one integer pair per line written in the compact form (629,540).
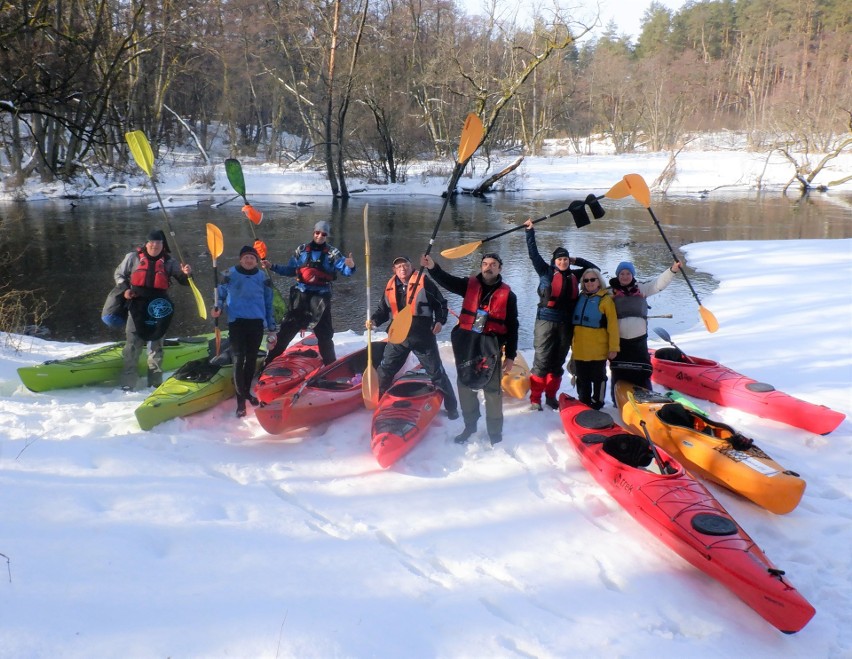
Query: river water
(68,253)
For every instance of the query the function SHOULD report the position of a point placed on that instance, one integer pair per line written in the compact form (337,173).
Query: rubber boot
(551,389)
(536,387)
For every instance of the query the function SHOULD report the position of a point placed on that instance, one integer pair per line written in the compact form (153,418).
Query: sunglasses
(320,233)
(588,281)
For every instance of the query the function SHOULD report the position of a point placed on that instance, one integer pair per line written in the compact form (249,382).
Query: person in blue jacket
(246,294)
(314,265)
(558,290)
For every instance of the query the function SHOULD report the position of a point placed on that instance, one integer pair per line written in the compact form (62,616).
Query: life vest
(421,305)
(588,313)
(496,307)
(631,306)
(312,272)
(557,282)
(150,273)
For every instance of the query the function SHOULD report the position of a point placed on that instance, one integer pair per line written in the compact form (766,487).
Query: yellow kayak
(710,449)
(516,382)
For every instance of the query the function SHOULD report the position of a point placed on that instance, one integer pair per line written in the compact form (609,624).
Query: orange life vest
(419,296)
(496,306)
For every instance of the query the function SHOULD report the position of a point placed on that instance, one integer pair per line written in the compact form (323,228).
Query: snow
(206,537)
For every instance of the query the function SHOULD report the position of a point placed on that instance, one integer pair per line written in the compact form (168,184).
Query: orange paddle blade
(638,189)
(254,215)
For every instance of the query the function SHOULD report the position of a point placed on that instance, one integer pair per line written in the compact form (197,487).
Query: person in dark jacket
(246,294)
(558,288)
(487,329)
(144,276)
(314,265)
(428,317)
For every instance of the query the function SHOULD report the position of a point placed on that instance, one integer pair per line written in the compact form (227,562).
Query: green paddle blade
(234,171)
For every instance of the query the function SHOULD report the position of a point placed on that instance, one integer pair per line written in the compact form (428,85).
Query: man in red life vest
(488,326)
(314,265)
(428,317)
(145,274)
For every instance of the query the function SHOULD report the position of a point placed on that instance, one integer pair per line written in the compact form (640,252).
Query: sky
(206,537)
(627,14)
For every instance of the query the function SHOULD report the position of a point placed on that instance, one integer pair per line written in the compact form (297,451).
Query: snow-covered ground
(207,537)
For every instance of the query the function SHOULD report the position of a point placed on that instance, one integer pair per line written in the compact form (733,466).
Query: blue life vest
(587,313)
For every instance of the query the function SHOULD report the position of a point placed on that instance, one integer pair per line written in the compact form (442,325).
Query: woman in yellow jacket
(595,338)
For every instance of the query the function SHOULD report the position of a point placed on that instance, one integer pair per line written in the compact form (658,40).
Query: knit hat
(560,253)
(625,265)
(492,255)
(248,249)
(157,234)
(401,259)
(323,226)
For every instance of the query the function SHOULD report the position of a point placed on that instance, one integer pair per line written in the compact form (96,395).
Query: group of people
(577,312)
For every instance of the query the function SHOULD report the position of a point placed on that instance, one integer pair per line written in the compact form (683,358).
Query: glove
(271,340)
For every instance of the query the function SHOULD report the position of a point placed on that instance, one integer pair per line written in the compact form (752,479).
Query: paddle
(665,336)
(370,381)
(471,138)
(639,190)
(618,191)
(664,467)
(216,245)
(144,157)
(222,203)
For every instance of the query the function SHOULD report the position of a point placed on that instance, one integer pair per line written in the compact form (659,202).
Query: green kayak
(194,387)
(104,364)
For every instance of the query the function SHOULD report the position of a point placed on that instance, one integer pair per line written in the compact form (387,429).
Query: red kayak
(682,513)
(403,416)
(331,392)
(712,381)
(288,370)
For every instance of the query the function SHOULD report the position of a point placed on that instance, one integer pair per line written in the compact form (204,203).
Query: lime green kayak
(195,387)
(104,364)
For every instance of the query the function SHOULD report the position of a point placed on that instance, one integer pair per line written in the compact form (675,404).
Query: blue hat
(625,265)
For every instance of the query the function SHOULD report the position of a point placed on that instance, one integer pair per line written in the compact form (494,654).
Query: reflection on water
(68,253)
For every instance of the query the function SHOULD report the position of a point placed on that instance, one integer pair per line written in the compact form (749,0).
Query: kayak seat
(628,449)
(334,385)
(676,414)
(200,370)
(411,389)
(669,355)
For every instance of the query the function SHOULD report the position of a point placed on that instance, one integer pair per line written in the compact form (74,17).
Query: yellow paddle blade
(471,137)
(199,301)
(399,327)
(141,150)
(370,388)
(618,191)
(638,189)
(215,241)
(461,250)
(709,319)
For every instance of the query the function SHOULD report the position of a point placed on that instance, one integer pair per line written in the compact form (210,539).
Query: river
(67,253)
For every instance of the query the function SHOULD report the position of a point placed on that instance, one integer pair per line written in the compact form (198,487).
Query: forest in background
(361,87)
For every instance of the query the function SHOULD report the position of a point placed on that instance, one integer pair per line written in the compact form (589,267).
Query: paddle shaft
(674,256)
(457,172)
(522,226)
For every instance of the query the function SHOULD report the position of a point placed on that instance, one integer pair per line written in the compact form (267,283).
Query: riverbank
(712,164)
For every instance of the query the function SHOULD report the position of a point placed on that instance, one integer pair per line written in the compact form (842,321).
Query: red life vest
(312,273)
(496,307)
(556,281)
(151,273)
(419,295)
